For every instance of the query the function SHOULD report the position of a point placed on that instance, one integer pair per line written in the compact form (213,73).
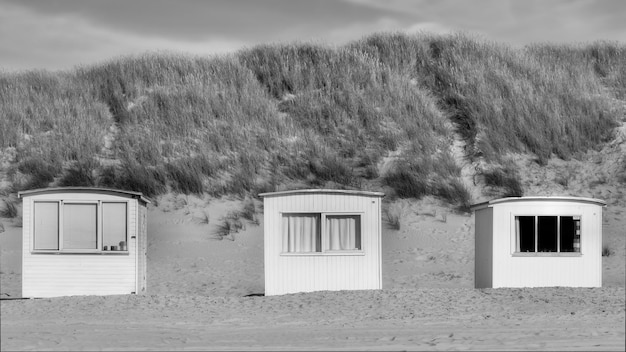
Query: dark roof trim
(322,191)
(116,192)
(538,199)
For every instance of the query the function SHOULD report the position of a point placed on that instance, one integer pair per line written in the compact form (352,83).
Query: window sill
(323,254)
(86,252)
(547,254)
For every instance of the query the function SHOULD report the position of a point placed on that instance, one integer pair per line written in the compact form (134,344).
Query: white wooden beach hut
(538,242)
(322,240)
(83,241)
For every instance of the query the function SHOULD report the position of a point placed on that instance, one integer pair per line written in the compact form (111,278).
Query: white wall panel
(542,269)
(314,272)
(64,274)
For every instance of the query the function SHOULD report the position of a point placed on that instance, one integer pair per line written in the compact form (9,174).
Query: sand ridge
(197,283)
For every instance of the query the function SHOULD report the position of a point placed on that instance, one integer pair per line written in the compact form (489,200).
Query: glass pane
(79,226)
(570,234)
(525,233)
(46,230)
(114,224)
(344,232)
(301,233)
(547,236)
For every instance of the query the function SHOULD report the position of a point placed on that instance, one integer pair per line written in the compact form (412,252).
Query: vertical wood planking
(61,274)
(303,273)
(509,270)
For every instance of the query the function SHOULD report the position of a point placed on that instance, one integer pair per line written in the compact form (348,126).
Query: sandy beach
(205,291)
(417,319)
(203,294)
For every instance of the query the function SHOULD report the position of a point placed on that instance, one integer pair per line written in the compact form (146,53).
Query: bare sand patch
(417,319)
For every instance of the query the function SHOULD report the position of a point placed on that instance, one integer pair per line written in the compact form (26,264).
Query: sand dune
(197,286)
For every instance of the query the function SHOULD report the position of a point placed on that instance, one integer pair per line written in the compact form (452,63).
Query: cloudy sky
(61,34)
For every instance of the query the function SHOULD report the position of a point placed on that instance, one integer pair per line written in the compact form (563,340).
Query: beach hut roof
(537,198)
(117,192)
(322,191)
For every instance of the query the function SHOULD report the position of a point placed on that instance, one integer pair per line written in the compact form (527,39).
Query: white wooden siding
(542,270)
(142,250)
(61,274)
(290,273)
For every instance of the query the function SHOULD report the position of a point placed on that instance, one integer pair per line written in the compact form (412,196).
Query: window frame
(99,228)
(62,226)
(324,235)
(34,225)
(126,227)
(535,253)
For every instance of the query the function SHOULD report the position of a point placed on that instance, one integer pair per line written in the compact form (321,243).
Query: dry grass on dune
(435,121)
(310,115)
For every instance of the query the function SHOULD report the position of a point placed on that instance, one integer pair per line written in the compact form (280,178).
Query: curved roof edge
(537,198)
(322,191)
(119,192)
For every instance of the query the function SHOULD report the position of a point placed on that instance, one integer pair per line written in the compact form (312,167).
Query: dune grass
(505,99)
(310,115)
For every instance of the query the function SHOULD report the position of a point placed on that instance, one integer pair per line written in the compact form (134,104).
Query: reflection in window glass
(114,225)
(79,226)
(46,230)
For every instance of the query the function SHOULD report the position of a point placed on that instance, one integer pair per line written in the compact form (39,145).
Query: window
(552,234)
(343,232)
(61,226)
(304,233)
(46,226)
(114,224)
(79,226)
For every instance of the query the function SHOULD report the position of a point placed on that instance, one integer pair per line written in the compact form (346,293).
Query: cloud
(514,21)
(63,41)
(359,30)
(199,20)
(58,34)
(431,27)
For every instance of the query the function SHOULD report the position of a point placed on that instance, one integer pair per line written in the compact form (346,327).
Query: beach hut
(322,240)
(83,241)
(538,242)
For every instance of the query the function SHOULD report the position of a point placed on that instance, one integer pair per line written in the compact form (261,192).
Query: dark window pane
(570,234)
(547,236)
(526,234)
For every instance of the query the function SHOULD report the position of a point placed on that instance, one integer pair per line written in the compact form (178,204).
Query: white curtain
(344,232)
(301,233)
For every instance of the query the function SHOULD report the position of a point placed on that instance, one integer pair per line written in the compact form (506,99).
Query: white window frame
(558,252)
(99,217)
(324,235)
(126,223)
